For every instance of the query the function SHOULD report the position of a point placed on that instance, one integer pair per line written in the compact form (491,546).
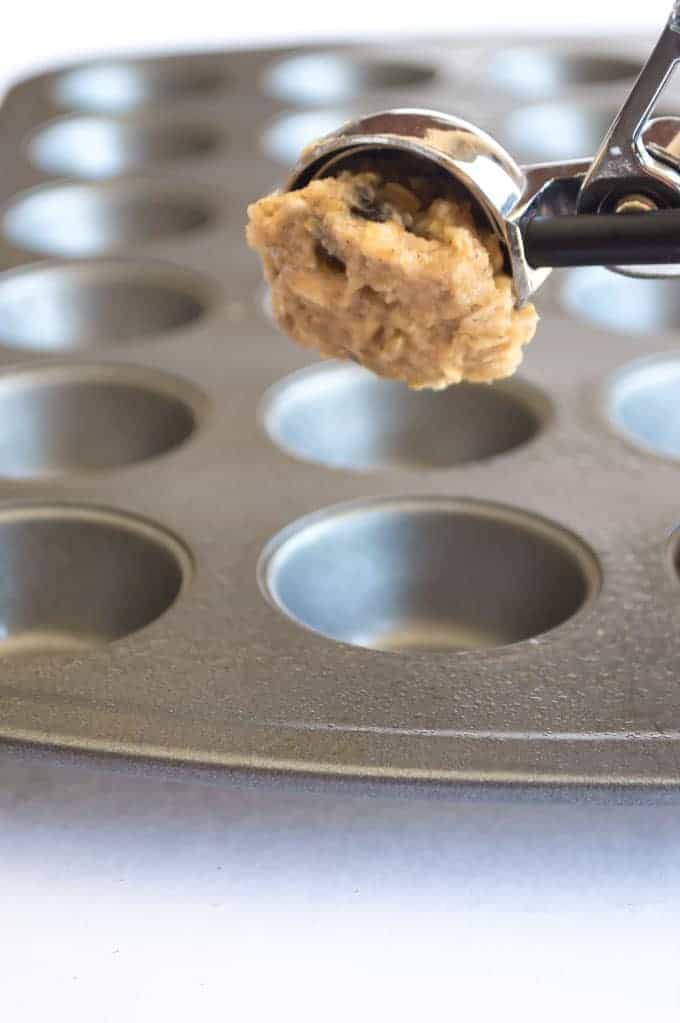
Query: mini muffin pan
(219,553)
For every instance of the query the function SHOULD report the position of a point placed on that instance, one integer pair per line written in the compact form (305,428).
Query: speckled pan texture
(217,553)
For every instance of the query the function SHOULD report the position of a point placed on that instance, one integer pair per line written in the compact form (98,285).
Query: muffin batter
(392,275)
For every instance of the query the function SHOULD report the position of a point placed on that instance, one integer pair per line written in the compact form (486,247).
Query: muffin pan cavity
(91,220)
(533,72)
(103,147)
(55,307)
(548,132)
(427,575)
(342,416)
(643,403)
(316,79)
(77,577)
(65,418)
(627,305)
(285,138)
(114,87)
(556,131)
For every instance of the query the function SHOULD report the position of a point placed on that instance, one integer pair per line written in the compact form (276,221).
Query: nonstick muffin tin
(218,553)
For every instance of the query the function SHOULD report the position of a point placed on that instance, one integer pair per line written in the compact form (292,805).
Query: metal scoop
(619,209)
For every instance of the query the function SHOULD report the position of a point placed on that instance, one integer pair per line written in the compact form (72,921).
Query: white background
(133,900)
(54,30)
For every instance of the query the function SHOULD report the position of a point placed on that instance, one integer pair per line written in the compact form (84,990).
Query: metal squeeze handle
(621,157)
(600,232)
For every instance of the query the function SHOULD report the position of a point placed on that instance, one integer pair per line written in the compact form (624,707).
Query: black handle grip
(603,239)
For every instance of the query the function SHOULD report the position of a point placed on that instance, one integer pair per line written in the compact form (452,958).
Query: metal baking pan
(173,472)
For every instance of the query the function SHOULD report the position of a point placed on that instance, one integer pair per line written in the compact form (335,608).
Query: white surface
(142,900)
(68,29)
(128,900)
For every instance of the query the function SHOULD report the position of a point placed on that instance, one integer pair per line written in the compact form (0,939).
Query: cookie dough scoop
(618,209)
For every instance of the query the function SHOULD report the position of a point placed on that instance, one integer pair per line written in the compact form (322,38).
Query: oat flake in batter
(393,276)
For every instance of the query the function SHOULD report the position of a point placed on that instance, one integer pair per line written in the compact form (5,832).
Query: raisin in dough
(413,289)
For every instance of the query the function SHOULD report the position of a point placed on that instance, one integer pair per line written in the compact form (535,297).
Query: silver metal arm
(622,157)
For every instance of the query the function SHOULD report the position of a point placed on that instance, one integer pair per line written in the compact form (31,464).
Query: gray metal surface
(139,279)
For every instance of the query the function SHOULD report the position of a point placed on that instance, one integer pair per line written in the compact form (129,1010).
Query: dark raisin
(378,214)
(366,205)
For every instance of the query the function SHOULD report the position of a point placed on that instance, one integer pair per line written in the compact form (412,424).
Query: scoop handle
(601,239)
(622,161)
